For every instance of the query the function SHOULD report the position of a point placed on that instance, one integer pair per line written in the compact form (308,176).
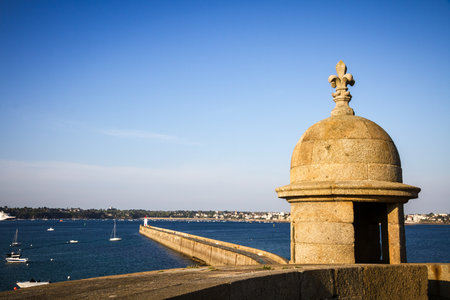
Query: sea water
(53,258)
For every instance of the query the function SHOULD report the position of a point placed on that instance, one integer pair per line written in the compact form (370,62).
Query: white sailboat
(15,242)
(113,237)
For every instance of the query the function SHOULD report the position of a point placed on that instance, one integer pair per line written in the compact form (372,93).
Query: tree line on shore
(110,213)
(113,213)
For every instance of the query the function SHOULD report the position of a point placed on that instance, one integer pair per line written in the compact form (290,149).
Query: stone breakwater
(209,251)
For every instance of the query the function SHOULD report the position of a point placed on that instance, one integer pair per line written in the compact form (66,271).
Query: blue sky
(199,104)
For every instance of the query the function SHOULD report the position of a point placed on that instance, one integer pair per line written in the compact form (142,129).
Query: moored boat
(15,258)
(5,216)
(51,229)
(30,283)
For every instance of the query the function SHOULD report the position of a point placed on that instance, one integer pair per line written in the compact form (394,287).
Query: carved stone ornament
(342,96)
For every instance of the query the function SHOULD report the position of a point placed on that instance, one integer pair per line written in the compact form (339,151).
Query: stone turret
(346,189)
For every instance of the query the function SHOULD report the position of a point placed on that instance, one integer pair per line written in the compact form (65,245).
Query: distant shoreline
(199,220)
(428,223)
(219,220)
(159,219)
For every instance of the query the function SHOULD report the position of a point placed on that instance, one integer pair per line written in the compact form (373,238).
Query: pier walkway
(209,251)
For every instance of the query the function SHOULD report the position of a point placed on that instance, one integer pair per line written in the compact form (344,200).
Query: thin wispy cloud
(141,134)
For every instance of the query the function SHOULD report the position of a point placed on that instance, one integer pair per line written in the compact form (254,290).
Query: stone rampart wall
(301,282)
(438,281)
(210,251)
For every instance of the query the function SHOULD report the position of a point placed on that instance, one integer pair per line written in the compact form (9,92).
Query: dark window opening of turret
(370,225)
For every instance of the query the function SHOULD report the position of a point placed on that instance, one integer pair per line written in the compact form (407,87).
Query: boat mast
(15,240)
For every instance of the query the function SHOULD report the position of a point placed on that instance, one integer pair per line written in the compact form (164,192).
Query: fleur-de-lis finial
(342,96)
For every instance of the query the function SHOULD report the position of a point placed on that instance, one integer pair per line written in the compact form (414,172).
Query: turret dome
(345,147)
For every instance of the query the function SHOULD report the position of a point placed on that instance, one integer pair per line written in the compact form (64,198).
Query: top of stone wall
(245,282)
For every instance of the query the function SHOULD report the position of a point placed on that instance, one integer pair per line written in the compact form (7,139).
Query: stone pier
(209,251)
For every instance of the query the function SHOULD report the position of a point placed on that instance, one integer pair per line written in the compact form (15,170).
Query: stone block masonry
(209,251)
(438,281)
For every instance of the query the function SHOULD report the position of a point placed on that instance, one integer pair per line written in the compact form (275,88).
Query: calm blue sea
(53,258)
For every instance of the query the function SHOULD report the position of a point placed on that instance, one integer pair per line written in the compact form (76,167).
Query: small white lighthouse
(145,221)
